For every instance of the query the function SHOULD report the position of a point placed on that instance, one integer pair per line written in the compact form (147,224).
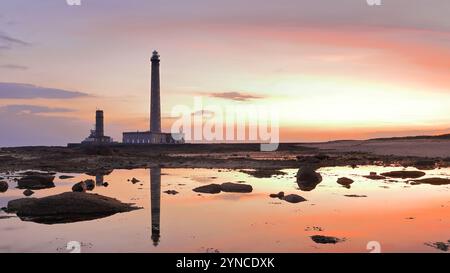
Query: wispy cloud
(14,67)
(12,40)
(236,96)
(32,109)
(29,91)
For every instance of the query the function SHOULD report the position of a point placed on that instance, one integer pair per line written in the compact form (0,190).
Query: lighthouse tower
(155,102)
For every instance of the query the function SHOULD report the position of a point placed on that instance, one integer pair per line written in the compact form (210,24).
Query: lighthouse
(155,101)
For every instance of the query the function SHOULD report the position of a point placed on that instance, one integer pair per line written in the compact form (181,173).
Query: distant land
(445,136)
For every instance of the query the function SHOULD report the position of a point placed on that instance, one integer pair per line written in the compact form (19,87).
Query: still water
(397,216)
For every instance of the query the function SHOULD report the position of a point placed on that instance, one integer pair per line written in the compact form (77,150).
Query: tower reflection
(99,179)
(155,199)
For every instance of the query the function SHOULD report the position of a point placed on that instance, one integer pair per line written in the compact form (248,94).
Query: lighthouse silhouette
(155,101)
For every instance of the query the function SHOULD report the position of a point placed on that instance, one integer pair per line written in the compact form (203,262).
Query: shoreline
(422,153)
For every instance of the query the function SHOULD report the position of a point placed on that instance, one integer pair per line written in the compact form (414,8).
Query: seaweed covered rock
(36,182)
(235,187)
(308,178)
(67,207)
(3,186)
(404,174)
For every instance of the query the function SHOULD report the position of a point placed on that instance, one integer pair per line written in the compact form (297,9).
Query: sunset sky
(335,69)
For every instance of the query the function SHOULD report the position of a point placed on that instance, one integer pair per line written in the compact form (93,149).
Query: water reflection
(99,179)
(155,199)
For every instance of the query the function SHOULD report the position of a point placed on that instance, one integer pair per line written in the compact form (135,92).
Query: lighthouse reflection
(99,180)
(155,199)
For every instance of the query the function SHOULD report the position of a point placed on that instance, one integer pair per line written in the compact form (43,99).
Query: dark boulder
(308,178)
(263,173)
(134,180)
(211,188)
(374,176)
(404,174)
(36,182)
(65,176)
(236,187)
(3,186)
(436,181)
(28,192)
(225,187)
(293,198)
(90,184)
(67,207)
(79,187)
(344,181)
(279,195)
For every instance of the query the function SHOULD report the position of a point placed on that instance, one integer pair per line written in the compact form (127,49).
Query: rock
(344,181)
(36,182)
(225,187)
(279,195)
(211,188)
(236,187)
(3,186)
(404,174)
(28,192)
(436,181)
(425,164)
(97,150)
(172,192)
(374,176)
(66,176)
(320,239)
(90,184)
(134,180)
(79,187)
(294,198)
(322,156)
(308,178)
(263,173)
(308,159)
(354,195)
(99,172)
(67,207)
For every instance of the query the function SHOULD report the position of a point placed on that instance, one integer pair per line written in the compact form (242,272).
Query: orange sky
(333,71)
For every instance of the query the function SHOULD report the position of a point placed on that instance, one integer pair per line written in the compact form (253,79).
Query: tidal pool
(394,215)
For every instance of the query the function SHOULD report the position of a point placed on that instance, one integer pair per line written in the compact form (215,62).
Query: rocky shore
(233,156)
